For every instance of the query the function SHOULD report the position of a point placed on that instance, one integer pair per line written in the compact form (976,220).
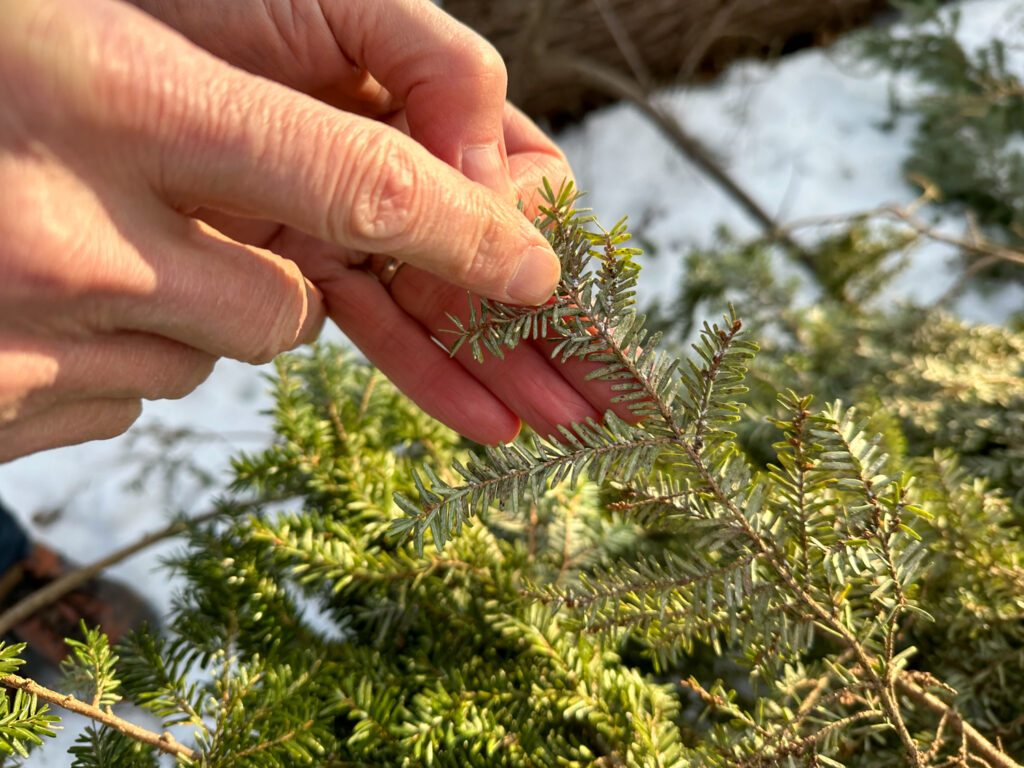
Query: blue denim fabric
(13,541)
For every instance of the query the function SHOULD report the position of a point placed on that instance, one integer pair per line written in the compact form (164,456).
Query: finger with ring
(389,271)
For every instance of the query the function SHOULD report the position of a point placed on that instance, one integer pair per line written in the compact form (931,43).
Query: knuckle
(483,62)
(285,304)
(65,249)
(484,269)
(35,249)
(115,417)
(382,195)
(190,377)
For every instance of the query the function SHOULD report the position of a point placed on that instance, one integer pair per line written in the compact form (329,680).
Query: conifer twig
(165,743)
(890,694)
(428,511)
(989,751)
(264,746)
(883,686)
(811,699)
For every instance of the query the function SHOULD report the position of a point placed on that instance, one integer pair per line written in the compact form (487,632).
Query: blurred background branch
(654,43)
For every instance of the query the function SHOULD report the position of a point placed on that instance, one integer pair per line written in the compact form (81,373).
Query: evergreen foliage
(24,722)
(89,671)
(926,379)
(719,574)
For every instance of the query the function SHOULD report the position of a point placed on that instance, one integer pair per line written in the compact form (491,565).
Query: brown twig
(60,587)
(686,41)
(9,580)
(530,46)
(990,252)
(713,32)
(263,746)
(622,87)
(985,748)
(625,44)
(811,699)
(165,743)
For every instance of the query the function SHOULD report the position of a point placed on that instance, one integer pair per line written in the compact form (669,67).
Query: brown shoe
(100,602)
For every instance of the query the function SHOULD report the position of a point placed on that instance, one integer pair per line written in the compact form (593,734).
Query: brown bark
(655,42)
(165,743)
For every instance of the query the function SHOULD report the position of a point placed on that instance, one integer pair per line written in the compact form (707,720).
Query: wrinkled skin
(197,180)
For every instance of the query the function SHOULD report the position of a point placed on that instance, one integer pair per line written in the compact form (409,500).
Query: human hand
(120,142)
(445,87)
(398,327)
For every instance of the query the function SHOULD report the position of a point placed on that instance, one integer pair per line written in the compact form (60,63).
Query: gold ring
(388,272)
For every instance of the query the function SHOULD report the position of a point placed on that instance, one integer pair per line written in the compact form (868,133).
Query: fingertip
(68,423)
(486,423)
(536,277)
(510,433)
(315,315)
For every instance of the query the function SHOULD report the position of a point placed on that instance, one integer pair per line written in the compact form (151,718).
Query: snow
(807,136)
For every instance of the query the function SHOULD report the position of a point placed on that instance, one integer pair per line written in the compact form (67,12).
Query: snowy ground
(805,136)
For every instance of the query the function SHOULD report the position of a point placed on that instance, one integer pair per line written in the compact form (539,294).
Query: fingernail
(316,315)
(536,278)
(483,164)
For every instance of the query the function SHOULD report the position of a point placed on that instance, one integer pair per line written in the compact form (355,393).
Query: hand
(397,327)
(444,87)
(120,142)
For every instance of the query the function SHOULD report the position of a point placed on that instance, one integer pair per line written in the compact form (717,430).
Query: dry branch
(977,742)
(57,588)
(666,41)
(164,742)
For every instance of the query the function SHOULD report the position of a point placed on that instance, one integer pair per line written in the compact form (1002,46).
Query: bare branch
(990,252)
(57,588)
(985,748)
(622,87)
(165,743)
